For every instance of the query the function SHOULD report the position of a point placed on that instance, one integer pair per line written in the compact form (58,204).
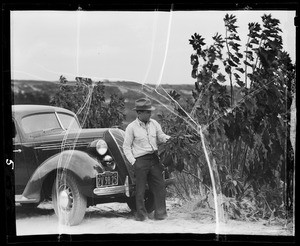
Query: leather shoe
(140,218)
(160,217)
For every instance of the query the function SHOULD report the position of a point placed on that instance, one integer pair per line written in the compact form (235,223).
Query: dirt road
(116,218)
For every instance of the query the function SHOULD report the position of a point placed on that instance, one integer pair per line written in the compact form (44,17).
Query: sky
(146,47)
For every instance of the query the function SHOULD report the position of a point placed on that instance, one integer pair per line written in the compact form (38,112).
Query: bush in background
(87,98)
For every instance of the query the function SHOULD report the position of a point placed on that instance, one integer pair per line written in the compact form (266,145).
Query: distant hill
(40,92)
(124,87)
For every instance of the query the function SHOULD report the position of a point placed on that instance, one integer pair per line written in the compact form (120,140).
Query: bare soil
(116,218)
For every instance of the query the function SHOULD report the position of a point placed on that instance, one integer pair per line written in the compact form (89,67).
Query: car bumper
(111,190)
(122,189)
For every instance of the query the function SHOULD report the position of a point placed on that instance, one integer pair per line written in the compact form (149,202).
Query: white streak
(166,50)
(78,43)
(212,179)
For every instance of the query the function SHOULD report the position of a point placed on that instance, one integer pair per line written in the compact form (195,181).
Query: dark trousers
(148,169)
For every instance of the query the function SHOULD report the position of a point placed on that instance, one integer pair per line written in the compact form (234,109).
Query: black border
(8,210)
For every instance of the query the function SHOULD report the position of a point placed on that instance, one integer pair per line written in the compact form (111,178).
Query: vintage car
(55,159)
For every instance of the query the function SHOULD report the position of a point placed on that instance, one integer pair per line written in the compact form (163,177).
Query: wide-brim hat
(143,104)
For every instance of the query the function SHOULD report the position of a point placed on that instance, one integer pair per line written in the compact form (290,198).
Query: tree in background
(34,97)
(249,138)
(85,93)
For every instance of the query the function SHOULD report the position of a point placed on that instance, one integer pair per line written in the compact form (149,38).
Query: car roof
(26,109)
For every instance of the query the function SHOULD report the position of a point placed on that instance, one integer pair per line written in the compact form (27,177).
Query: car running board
(23,199)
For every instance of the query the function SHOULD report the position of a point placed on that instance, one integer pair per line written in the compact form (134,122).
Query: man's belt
(154,153)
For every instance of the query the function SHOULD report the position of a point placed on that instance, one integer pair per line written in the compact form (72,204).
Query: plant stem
(246,60)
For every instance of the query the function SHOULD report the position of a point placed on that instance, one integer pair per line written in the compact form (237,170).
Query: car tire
(149,202)
(68,202)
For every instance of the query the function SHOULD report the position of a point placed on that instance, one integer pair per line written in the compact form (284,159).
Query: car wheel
(149,202)
(68,202)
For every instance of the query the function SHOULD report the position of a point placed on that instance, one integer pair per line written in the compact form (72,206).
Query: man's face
(144,115)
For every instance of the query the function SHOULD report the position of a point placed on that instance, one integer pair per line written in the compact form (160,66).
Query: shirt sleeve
(127,145)
(161,136)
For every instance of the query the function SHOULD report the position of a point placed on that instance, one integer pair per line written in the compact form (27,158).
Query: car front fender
(79,163)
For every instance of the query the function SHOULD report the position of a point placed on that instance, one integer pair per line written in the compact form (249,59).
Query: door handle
(17,150)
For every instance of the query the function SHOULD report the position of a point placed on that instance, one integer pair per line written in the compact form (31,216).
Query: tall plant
(247,137)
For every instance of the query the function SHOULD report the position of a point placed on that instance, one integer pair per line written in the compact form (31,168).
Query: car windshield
(40,123)
(68,121)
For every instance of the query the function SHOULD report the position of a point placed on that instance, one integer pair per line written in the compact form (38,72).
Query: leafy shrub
(86,98)
(247,138)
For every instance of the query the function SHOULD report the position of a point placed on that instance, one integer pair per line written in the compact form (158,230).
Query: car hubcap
(65,199)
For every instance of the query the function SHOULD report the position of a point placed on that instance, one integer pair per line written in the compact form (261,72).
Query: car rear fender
(82,165)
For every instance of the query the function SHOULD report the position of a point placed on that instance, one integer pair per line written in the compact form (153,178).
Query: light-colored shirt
(141,139)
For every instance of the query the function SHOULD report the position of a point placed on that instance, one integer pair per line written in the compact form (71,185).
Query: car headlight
(101,147)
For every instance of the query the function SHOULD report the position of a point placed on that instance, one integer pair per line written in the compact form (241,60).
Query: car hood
(82,134)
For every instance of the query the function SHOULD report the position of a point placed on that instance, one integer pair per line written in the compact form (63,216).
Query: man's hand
(168,138)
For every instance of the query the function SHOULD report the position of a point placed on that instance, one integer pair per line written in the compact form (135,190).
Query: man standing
(140,148)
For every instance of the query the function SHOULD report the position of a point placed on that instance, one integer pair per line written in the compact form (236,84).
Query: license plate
(107,179)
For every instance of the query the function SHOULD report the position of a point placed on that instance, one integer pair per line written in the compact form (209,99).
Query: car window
(40,122)
(68,121)
(15,135)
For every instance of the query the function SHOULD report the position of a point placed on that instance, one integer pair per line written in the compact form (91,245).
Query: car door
(24,159)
